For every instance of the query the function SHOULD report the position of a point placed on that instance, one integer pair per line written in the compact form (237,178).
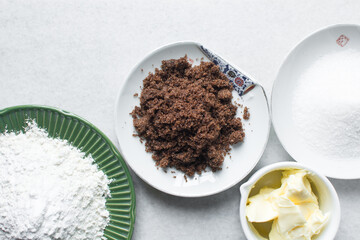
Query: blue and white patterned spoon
(242,84)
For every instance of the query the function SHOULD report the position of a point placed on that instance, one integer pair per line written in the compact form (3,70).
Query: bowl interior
(85,136)
(303,56)
(328,201)
(244,156)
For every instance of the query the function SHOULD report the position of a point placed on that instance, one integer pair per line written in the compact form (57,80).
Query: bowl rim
(276,83)
(246,187)
(107,140)
(122,90)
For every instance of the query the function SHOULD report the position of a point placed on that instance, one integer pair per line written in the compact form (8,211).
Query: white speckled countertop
(75,55)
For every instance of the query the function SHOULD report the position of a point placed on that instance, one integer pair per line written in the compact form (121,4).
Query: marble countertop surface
(75,55)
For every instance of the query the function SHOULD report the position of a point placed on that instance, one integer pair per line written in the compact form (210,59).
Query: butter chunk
(293,208)
(260,207)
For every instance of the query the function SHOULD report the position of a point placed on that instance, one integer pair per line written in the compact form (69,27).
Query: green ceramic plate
(91,140)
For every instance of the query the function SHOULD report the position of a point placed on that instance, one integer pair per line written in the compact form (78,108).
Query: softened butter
(293,208)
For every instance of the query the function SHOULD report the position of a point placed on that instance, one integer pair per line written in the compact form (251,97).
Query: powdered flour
(49,189)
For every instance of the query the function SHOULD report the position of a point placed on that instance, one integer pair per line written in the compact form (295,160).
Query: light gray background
(75,55)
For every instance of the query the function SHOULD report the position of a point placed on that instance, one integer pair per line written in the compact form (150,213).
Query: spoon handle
(242,84)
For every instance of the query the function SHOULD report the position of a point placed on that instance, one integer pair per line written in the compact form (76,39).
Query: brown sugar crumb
(238,104)
(174,176)
(185,177)
(186,116)
(246,114)
(136,95)
(142,70)
(172,171)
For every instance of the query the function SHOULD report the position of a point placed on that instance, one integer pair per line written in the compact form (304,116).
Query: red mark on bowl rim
(342,40)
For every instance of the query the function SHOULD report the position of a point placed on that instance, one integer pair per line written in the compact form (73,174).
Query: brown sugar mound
(186,116)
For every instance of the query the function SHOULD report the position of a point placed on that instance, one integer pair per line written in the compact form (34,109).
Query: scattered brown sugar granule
(186,116)
(246,114)
(185,178)
(238,104)
(136,94)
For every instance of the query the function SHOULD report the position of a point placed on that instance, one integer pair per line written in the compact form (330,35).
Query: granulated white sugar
(326,105)
(49,189)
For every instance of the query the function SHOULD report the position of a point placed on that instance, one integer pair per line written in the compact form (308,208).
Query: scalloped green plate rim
(112,147)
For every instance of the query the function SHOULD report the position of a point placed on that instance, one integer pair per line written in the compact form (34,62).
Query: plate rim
(276,83)
(177,193)
(107,140)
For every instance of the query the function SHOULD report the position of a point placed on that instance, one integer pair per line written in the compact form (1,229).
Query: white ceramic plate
(330,39)
(244,156)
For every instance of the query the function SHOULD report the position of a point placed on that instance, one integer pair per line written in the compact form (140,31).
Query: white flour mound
(49,189)
(326,105)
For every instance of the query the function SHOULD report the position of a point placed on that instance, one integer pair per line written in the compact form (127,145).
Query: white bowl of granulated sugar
(315,101)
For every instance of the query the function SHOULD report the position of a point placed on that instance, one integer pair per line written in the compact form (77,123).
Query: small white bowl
(323,189)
